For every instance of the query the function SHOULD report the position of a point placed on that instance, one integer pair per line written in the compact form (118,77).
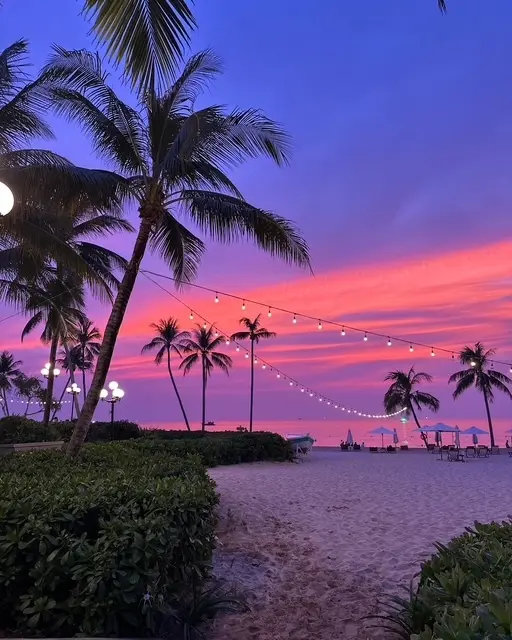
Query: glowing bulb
(255,360)
(204,325)
(432,352)
(263,366)
(191,316)
(365,338)
(343,408)
(329,402)
(269,312)
(113,385)
(227,341)
(216,297)
(243,305)
(68,389)
(389,342)
(510,369)
(216,333)
(473,363)
(103,393)
(302,390)
(411,348)
(246,355)
(237,348)
(278,375)
(343,331)
(320,399)
(319,324)
(291,383)
(294,319)
(47,365)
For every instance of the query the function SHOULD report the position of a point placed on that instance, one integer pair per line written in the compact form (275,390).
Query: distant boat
(210,423)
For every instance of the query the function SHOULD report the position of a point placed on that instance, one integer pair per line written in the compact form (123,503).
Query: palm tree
(174,158)
(254,332)
(403,395)
(9,371)
(479,375)
(169,339)
(85,338)
(201,349)
(27,387)
(58,307)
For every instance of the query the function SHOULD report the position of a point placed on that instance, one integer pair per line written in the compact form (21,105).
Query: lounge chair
(431,447)
(495,451)
(483,451)
(357,447)
(374,449)
(470,452)
(404,447)
(455,455)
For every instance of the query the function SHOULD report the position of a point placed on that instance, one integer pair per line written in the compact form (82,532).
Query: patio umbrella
(438,429)
(395,436)
(350,439)
(382,431)
(475,432)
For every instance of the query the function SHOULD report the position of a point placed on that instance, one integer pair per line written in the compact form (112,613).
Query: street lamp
(45,371)
(117,394)
(6,199)
(74,390)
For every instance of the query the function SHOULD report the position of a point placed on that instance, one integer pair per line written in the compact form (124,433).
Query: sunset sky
(400,181)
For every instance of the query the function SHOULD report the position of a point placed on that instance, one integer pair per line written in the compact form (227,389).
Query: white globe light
(56,372)
(103,393)
(68,390)
(113,385)
(45,371)
(6,199)
(47,365)
(117,393)
(77,389)
(74,385)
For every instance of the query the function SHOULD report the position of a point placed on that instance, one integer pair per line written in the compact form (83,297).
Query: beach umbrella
(474,431)
(350,439)
(381,431)
(457,439)
(395,436)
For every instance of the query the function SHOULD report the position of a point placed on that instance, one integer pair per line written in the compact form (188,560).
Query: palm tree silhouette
(175,159)
(169,339)
(480,376)
(402,394)
(254,332)
(200,348)
(86,340)
(9,371)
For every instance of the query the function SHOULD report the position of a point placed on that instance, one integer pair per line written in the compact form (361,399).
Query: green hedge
(104,545)
(464,592)
(102,431)
(18,429)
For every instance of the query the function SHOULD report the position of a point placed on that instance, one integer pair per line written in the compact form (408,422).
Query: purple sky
(402,128)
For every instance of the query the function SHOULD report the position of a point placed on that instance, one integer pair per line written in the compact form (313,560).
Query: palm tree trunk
(489,419)
(84,390)
(424,436)
(51,379)
(109,338)
(61,396)
(5,406)
(203,421)
(252,387)
(169,368)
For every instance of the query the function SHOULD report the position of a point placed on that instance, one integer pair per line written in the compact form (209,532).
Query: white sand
(316,544)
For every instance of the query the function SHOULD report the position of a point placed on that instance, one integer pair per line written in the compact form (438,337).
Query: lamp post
(6,199)
(74,390)
(116,394)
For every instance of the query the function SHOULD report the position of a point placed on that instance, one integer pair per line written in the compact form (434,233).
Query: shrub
(464,591)
(102,431)
(19,429)
(103,545)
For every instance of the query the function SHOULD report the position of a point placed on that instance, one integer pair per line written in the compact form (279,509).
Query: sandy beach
(317,545)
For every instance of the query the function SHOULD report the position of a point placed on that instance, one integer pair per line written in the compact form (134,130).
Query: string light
(227,341)
(389,342)
(278,375)
(343,331)
(191,316)
(294,319)
(432,353)
(216,297)
(269,314)
(320,324)
(204,325)
(365,337)
(255,360)
(216,333)
(237,348)
(411,348)
(247,355)
(263,366)
(243,305)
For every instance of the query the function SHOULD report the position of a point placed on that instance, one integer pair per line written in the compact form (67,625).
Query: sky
(401,122)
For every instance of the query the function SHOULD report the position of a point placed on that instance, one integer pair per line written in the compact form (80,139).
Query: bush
(104,545)
(102,431)
(19,429)
(464,592)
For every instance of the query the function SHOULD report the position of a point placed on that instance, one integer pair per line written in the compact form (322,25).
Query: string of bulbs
(265,365)
(344,327)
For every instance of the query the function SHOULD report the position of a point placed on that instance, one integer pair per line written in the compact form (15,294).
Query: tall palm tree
(175,158)
(58,307)
(200,349)
(402,394)
(71,360)
(9,371)
(254,332)
(169,340)
(27,387)
(479,375)
(86,340)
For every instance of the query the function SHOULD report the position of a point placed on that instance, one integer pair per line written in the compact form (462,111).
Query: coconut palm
(169,340)
(57,307)
(27,387)
(86,340)
(9,371)
(200,349)
(254,332)
(175,158)
(402,394)
(479,375)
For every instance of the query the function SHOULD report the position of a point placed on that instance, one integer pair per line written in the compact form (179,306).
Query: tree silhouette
(480,376)
(254,332)
(200,348)
(169,340)
(9,371)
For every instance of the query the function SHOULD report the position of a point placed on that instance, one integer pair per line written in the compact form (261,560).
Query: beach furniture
(301,445)
(382,431)
(455,455)
(431,448)
(470,452)
(482,451)
(376,450)
(495,450)
(404,447)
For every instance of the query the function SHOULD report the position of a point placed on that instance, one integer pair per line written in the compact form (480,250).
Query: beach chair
(482,451)
(455,455)
(404,447)
(431,448)
(376,450)
(495,450)
(470,452)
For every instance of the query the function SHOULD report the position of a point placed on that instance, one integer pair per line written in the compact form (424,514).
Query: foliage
(19,429)
(9,372)
(104,544)
(464,591)
(102,431)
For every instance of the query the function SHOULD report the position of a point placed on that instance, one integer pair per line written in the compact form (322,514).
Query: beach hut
(381,431)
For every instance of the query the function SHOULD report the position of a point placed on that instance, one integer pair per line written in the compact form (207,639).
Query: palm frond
(241,335)
(101,225)
(188,362)
(222,361)
(463,383)
(423,399)
(146,36)
(32,324)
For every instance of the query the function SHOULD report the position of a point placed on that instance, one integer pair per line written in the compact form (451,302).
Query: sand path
(316,544)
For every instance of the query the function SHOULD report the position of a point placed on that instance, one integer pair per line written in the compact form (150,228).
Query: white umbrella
(395,436)
(381,431)
(350,439)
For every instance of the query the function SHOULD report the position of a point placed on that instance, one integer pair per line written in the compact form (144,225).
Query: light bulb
(343,408)
(343,331)
(263,366)
(320,399)
(329,402)
(68,389)
(302,390)
(319,324)
(227,340)
(56,372)
(365,338)
(294,319)
(255,360)
(411,348)
(103,393)
(237,348)
(191,316)
(45,371)
(472,363)
(291,383)
(216,297)
(246,355)
(278,375)
(77,389)
(510,369)
(216,333)
(243,305)
(204,325)
(113,385)
(432,352)
(335,406)
(269,312)
(389,342)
